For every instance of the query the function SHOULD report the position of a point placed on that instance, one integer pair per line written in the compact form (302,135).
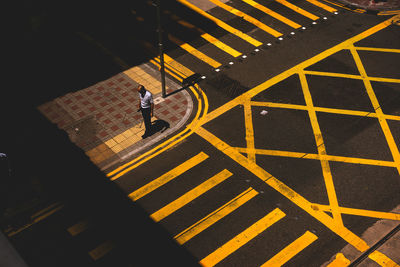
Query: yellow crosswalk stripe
(191,195)
(242,238)
(297,9)
(78,228)
(215,216)
(291,250)
(248,18)
(101,250)
(209,38)
(194,52)
(321,5)
(221,24)
(273,14)
(165,178)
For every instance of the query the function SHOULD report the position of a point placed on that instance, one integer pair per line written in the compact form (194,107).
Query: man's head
(140,89)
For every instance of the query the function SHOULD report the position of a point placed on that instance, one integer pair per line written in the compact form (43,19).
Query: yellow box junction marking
(215,216)
(273,14)
(382,259)
(165,178)
(321,5)
(248,18)
(242,238)
(298,9)
(249,131)
(102,250)
(326,170)
(187,47)
(190,196)
(387,50)
(291,250)
(221,24)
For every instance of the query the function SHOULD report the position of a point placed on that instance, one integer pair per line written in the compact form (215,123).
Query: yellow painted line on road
(78,228)
(283,189)
(272,13)
(362,212)
(291,250)
(221,24)
(382,259)
(298,9)
(101,250)
(351,76)
(384,125)
(339,261)
(215,216)
(326,170)
(321,5)
(209,38)
(170,175)
(243,238)
(200,55)
(375,49)
(190,196)
(248,18)
(303,155)
(248,120)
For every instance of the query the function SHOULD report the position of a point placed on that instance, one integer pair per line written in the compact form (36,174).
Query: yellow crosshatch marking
(316,210)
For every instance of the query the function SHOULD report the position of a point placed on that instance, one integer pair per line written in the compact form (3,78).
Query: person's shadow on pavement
(159,126)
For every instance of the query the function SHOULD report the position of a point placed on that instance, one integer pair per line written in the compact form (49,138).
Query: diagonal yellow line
(382,259)
(298,9)
(283,189)
(326,170)
(321,5)
(242,238)
(168,176)
(215,216)
(361,212)
(376,49)
(187,47)
(385,127)
(272,14)
(248,18)
(351,76)
(248,120)
(221,24)
(280,153)
(190,196)
(291,250)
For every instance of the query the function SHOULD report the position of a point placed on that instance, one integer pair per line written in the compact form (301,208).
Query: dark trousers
(147,119)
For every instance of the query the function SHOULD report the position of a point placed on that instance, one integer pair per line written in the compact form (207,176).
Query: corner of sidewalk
(103,120)
(377,7)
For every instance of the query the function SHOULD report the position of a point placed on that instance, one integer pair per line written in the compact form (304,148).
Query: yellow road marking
(273,14)
(361,212)
(194,52)
(140,76)
(190,196)
(382,259)
(321,5)
(377,49)
(351,76)
(242,238)
(102,250)
(248,18)
(248,119)
(283,189)
(170,175)
(291,250)
(385,127)
(221,24)
(209,38)
(78,228)
(298,9)
(339,261)
(215,216)
(303,155)
(326,170)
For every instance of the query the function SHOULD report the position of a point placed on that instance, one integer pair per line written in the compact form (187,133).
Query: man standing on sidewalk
(146,105)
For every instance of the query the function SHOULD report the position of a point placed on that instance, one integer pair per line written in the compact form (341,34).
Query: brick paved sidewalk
(103,120)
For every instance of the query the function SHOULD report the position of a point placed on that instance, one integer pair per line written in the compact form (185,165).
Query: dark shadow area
(159,126)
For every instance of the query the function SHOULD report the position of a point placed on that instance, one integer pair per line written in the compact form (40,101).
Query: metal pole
(161,47)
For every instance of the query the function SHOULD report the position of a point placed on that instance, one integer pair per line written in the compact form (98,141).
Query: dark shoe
(145,136)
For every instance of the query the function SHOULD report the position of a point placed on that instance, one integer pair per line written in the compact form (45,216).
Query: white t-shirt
(146,100)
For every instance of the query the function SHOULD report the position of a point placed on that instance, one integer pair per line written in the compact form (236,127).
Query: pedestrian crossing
(240,27)
(187,205)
